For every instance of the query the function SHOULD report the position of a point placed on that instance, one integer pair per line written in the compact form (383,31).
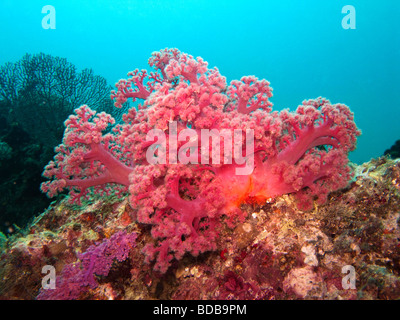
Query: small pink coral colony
(303,153)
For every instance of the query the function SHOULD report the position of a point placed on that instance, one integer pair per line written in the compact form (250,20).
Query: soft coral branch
(134,87)
(250,94)
(114,170)
(85,159)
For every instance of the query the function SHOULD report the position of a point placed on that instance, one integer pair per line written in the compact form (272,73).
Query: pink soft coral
(303,153)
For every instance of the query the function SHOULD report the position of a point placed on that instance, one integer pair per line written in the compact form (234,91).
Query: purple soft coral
(77,277)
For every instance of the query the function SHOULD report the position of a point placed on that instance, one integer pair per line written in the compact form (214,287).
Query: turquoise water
(299,46)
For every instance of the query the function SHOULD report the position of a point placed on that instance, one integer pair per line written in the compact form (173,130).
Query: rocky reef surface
(348,248)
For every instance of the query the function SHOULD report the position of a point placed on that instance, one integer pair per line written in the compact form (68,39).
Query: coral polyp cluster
(184,183)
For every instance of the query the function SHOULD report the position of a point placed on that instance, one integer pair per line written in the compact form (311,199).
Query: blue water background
(299,46)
